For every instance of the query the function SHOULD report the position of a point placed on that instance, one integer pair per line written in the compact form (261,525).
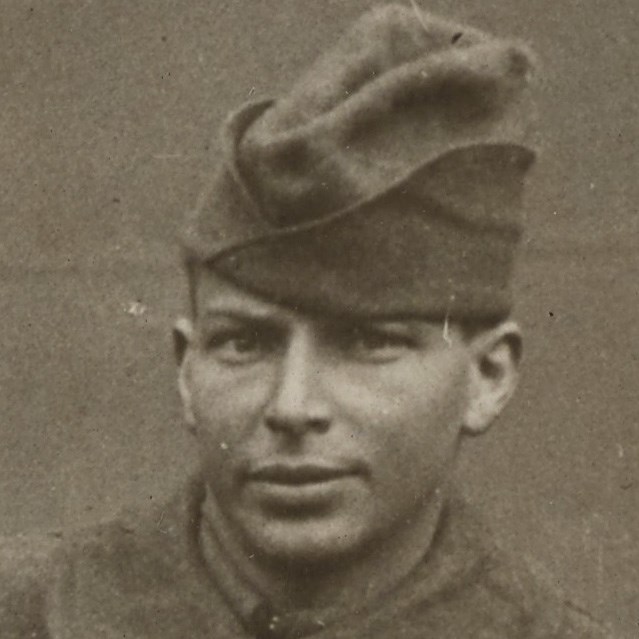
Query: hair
(470,327)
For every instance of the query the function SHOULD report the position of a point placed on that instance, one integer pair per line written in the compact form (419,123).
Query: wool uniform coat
(144,575)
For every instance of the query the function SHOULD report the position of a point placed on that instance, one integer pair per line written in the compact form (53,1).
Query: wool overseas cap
(389,180)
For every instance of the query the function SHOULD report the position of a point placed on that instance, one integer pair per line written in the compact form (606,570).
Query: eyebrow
(268,315)
(408,320)
(240,314)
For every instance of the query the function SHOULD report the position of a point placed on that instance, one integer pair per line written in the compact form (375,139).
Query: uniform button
(267,624)
(274,622)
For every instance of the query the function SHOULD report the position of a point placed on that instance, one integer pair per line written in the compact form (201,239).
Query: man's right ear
(182,337)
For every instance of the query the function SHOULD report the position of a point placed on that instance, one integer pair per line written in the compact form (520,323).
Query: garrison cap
(389,180)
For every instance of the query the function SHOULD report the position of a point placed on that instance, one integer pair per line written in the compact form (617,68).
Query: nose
(297,405)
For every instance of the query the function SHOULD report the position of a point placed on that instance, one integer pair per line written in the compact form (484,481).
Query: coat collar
(146,575)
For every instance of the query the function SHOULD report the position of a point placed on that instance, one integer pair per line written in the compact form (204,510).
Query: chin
(307,541)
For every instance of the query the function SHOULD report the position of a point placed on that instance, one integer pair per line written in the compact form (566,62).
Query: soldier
(350,284)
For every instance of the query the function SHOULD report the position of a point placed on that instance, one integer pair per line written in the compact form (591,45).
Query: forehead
(214,294)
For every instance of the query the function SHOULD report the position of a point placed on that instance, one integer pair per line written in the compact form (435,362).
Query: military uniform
(387,181)
(159,575)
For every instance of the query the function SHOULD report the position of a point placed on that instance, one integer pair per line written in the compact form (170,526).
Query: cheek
(227,402)
(409,416)
(406,393)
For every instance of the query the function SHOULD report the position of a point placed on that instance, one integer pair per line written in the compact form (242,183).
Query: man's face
(320,435)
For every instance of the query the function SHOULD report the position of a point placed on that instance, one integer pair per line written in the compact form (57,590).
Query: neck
(344,581)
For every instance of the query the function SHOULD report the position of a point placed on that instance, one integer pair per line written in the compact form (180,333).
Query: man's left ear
(494,374)
(182,337)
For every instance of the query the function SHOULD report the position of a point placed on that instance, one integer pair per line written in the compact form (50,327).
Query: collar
(256,613)
(454,553)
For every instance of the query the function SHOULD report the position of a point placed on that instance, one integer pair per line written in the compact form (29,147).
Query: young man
(349,271)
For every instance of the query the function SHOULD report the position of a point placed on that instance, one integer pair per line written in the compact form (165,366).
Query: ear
(182,338)
(494,374)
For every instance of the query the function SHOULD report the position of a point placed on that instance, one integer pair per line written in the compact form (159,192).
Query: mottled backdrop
(108,116)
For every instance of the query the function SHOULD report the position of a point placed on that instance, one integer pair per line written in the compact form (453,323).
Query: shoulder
(41,572)
(87,574)
(26,566)
(515,597)
(44,576)
(538,605)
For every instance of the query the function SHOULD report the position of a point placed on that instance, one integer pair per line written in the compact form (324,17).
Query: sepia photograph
(321,319)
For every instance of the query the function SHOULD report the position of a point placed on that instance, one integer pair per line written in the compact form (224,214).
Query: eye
(238,345)
(377,344)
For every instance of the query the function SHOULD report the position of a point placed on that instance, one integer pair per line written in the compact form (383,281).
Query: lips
(292,489)
(299,474)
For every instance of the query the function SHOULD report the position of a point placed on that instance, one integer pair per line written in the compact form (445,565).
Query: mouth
(293,489)
(299,490)
(299,474)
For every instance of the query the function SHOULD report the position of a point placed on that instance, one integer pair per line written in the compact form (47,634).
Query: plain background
(108,120)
